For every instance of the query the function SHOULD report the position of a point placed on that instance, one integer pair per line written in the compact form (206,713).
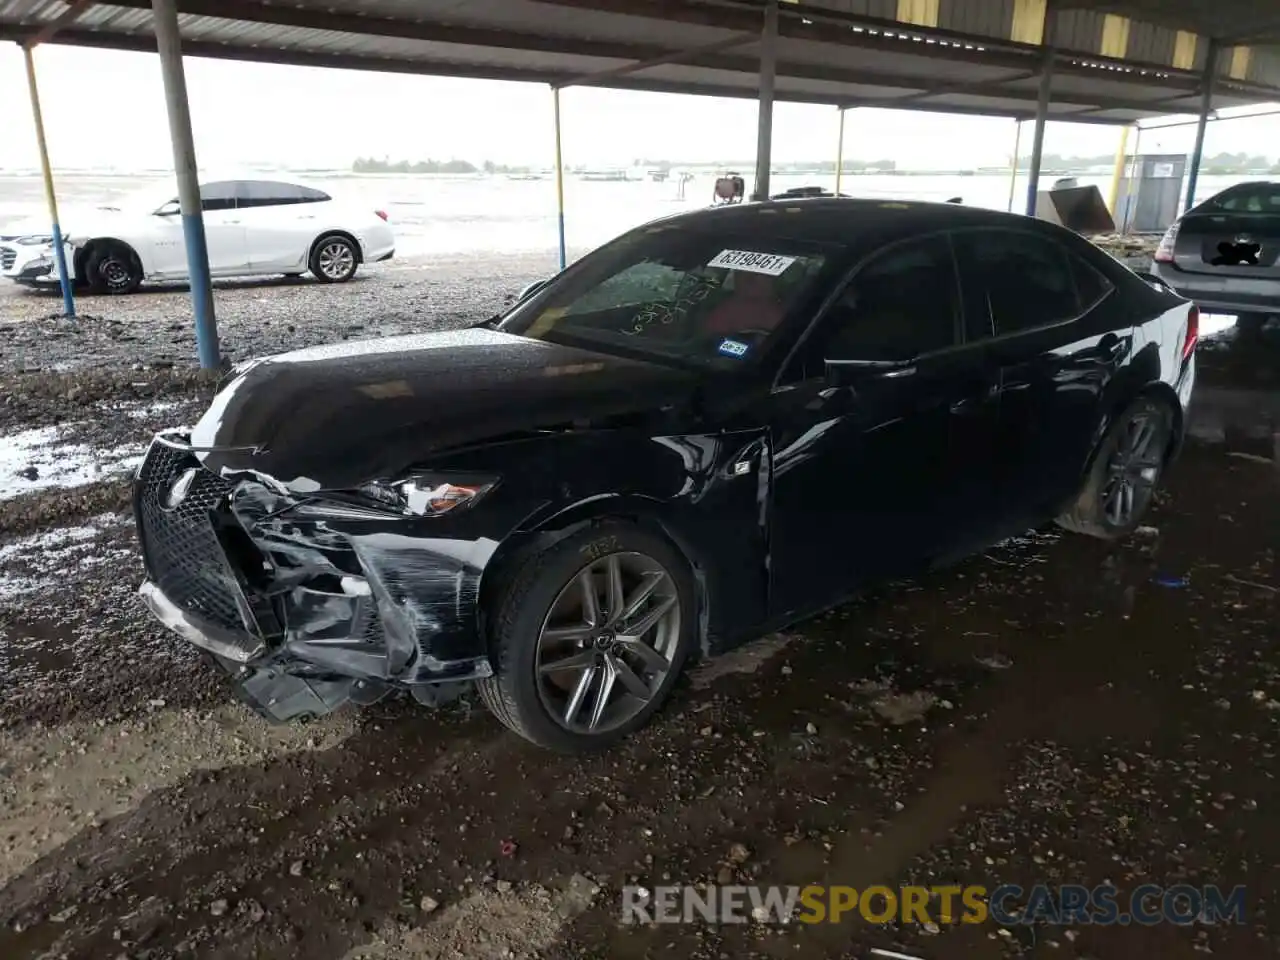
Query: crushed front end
(305,601)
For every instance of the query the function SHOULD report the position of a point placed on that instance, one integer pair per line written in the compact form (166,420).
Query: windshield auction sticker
(767,263)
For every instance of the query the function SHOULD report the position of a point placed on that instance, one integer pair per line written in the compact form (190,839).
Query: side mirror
(852,373)
(530,290)
(169,209)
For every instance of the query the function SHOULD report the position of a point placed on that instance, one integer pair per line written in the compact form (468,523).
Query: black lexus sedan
(715,425)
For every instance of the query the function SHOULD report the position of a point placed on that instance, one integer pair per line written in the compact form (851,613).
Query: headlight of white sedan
(36,240)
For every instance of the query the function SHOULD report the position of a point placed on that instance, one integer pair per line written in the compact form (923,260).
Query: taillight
(1164,252)
(1193,332)
(381,213)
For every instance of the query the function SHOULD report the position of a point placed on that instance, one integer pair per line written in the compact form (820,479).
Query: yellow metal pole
(840,151)
(555,100)
(59,254)
(1118,173)
(1013,171)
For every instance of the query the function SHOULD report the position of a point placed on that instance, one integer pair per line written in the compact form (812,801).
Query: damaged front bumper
(305,603)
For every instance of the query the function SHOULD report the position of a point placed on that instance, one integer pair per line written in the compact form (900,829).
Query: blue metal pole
(51,197)
(169,46)
(1206,107)
(555,102)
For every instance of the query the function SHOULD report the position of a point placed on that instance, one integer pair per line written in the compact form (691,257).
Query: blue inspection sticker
(733,348)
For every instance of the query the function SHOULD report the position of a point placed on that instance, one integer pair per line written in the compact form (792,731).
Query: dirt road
(1117,729)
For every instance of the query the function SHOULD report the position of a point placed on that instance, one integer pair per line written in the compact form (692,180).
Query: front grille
(7,257)
(182,550)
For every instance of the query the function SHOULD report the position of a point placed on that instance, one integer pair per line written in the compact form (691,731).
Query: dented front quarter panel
(397,600)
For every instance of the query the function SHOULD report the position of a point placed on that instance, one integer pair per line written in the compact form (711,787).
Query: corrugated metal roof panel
(831,60)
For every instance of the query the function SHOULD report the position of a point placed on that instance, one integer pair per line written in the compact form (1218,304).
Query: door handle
(231,221)
(976,401)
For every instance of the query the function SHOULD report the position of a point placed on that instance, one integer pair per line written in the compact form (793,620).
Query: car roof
(829,219)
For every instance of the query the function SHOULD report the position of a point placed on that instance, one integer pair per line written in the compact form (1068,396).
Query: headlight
(35,241)
(427,495)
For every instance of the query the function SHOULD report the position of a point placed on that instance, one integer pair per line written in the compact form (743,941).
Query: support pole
(840,151)
(555,103)
(1135,165)
(169,46)
(50,196)
(1206,106)
(1013,171)
(768,71)
(1117,174)
(1037,136)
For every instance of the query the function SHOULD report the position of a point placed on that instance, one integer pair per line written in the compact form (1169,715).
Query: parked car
(713,426)
(1223,254)
(252,227)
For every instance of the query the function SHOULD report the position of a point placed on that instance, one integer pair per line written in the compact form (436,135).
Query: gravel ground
(1058,710)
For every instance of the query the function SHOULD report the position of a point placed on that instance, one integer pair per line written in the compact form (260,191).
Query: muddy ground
(1058,710)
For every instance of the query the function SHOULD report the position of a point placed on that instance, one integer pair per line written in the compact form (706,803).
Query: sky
(323,118)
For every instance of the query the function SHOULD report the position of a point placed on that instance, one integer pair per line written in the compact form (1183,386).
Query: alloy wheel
(337,260)
(606,645)
(1134,468)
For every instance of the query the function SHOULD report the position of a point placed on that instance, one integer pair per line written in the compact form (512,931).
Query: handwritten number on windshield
(665,314)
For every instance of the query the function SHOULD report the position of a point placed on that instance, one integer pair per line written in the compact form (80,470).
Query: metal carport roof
(961,56)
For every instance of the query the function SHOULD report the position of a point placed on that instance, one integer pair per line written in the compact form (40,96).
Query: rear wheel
(112,268)
(1125,472)
(589,638)
(334,259)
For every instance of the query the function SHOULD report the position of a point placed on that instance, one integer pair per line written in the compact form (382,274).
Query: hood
(336,416)
(77,223)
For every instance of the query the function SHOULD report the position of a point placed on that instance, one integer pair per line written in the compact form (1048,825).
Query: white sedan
(252,228)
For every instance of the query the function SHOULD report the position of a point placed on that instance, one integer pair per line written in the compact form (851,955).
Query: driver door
(872,466)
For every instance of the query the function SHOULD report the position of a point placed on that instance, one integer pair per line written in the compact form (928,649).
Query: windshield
(668,292)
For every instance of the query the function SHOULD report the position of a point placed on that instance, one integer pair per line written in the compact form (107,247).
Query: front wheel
(1122,481)
(589,638)
(112,268)
(334,259)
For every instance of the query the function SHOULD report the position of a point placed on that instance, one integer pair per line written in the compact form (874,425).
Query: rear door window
(268,193)
(220,195)
(1020,280)
(1249,198)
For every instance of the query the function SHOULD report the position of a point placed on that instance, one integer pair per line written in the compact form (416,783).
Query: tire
(334,259)
(1095,511)
(112,268)
(533,693)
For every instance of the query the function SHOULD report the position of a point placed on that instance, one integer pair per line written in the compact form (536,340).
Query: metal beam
(675,56)
(169,46)
(1013,174)
(64,19)
(1042,108)
(223,51)
(1202,124)
(768,75)
(840,151)
(823,26)
(555,107)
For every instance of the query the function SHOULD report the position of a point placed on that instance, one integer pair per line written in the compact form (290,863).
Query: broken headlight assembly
(427,495)
(417,495)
